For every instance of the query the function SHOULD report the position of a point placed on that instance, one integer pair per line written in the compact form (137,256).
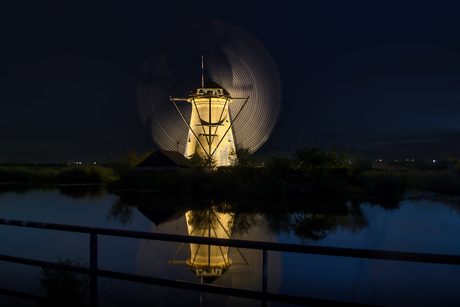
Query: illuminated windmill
(210,128)
(238,65)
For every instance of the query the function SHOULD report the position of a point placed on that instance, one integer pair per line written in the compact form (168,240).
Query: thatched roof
(161,159)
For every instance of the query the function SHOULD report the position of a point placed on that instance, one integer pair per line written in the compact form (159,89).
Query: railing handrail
(265,296)
(178,284)
(272,246)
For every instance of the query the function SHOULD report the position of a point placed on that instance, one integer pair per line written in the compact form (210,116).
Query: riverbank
(76,174)
(437,181)
(308,173)
(241,181)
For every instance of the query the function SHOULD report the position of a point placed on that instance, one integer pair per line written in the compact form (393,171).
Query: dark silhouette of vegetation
(64,288)
(309,172)
(203,164)
(242,157)
(76,174)
(445,182)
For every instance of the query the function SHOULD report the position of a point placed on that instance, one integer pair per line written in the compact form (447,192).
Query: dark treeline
(309,173)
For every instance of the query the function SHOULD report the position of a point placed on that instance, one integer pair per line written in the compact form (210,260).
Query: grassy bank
(65,175)
(439,181)
(257,184)
(309,172)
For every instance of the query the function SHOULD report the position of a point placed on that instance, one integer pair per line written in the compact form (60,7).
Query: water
(426,226)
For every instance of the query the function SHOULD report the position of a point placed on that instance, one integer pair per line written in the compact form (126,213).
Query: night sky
(379,76)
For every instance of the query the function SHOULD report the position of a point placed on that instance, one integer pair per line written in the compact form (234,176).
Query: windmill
(210,122)
(237,67)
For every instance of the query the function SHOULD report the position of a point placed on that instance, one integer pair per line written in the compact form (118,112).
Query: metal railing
(263,295)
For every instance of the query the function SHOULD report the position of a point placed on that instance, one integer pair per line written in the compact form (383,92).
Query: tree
(314,161)
(201,163)
(355,162)
(241,156)
(279,165)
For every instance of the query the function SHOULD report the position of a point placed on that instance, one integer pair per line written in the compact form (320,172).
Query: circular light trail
(234,59)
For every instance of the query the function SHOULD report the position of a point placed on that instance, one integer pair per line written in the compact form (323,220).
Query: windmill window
(229,138)
(189,138)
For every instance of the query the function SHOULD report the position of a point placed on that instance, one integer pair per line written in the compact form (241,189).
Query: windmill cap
(212,84)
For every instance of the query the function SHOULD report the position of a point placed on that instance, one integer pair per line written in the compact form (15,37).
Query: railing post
(264,275)
(93,267)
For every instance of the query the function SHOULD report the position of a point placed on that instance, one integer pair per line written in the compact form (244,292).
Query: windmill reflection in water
(240,269)
(208,261)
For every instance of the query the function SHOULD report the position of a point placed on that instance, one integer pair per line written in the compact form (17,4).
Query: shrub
(64,288)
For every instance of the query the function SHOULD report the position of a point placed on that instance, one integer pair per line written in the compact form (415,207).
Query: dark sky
(380,76)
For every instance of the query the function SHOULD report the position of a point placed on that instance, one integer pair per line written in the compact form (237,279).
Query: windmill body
(210,132)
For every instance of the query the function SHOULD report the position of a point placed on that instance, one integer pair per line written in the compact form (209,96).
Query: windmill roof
(212,84)
(159,216)
(162,158)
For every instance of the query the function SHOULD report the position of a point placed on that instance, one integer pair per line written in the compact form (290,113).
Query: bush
(64,288)
(21,174)
(203,164)
(84,174)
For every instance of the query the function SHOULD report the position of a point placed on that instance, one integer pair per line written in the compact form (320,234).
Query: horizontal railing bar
(281,247)
(186,285)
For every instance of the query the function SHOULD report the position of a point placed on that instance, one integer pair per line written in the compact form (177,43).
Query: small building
(162,160)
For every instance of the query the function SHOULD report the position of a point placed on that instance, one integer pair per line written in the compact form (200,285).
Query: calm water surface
(427,226)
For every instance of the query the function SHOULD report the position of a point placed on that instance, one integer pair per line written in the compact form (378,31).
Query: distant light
(380,160)
(396,160)
(412,160)
(434,161)
(79,162)
(408,160)
(94,162)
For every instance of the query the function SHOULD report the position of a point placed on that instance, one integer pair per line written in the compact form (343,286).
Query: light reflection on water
(428,226)
(244,272)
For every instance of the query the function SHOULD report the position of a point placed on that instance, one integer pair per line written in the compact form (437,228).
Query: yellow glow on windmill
(210,128)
